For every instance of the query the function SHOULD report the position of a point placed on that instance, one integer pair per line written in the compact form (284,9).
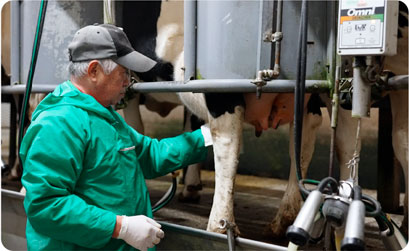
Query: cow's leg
(345,141)
(132,114)
(399,107)
(192,182)
(227,135)
(291,201)
(345,137)
(33,101)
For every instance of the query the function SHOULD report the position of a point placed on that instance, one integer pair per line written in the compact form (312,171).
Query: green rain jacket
(83,165)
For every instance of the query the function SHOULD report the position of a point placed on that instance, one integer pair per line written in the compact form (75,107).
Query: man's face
(112,87)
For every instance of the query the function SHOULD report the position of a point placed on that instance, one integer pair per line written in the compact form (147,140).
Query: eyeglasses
(132,77)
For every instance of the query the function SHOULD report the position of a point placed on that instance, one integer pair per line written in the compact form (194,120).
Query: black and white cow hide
(156,29)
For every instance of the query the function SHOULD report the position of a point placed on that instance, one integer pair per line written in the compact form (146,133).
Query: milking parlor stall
(284,85)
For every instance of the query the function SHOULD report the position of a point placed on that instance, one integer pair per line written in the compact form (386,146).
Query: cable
(328,180)
(374,203)
(167,197)
(36,47)
(300,87)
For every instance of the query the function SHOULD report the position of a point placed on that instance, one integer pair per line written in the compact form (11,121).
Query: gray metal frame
(218,85)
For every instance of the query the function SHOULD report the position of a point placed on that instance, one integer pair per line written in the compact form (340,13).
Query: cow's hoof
(189,199)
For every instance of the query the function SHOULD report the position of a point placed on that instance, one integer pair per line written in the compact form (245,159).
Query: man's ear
(93,70)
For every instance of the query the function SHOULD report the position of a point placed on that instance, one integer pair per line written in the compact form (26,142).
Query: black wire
(30,77)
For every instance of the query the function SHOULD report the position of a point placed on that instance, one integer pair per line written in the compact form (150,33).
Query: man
(84,167)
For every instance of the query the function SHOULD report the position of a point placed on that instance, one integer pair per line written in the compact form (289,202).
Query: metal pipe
(15,42)
(20,89)
(229,227)
(260,34)
(227,85)
(334,119)
(361,97)
(241,243)
(278,33)
(397,82)
(190,25)
(109,11)
(217,85)
(211,85)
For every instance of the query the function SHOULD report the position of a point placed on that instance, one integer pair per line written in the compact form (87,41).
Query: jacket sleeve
(52,155)
(160,157)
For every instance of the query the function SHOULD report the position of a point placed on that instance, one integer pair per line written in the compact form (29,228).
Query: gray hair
(79,69)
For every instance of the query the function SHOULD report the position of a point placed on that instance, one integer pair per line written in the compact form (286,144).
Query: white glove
(140,232)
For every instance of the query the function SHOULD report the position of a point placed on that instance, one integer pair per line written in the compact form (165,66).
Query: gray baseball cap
(105,41)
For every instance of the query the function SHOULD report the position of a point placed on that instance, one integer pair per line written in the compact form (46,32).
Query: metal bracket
(262,77)
(272,37)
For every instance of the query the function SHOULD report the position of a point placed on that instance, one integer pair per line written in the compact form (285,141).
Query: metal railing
(218,85)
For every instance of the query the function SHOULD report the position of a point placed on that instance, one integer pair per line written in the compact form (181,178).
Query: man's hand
(140,232)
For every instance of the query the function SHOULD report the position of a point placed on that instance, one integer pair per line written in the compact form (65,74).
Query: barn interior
(264,163)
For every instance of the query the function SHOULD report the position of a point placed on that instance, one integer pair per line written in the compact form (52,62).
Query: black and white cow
(160,36)
(162,40)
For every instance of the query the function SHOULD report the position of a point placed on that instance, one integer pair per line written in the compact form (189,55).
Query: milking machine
(366,30)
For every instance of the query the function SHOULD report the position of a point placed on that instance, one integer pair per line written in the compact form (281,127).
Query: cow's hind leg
(192,184)
(227,134)
(399,107)
(291,201)
(191,180)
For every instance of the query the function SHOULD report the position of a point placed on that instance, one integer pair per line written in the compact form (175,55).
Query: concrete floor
(256,203)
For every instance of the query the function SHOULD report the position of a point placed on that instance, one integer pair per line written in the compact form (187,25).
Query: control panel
(367,27)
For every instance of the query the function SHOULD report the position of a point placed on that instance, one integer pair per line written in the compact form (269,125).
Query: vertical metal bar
(278,42)
(230,239)
(109,11)
(190,29)
(334,120)
(15,42)
(260,34)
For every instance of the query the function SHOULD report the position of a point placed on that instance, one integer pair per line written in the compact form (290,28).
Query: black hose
(374,203)
(300,87)
(167,197)
(304,191)
(30,77)
(328,180)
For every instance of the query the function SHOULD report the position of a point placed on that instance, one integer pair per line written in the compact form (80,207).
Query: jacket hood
(67,94)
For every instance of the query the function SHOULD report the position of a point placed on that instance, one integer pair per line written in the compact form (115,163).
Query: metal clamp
(273,37)
(262,77)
